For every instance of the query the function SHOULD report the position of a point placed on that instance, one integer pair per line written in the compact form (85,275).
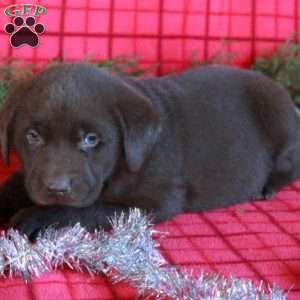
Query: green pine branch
(283,66)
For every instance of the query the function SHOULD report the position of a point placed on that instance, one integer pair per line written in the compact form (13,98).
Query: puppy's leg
(31,220)
(13,196)
(36,218)
(286,169)
(162,198)
(278,180)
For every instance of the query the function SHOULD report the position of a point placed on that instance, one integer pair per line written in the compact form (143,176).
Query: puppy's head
(70,126)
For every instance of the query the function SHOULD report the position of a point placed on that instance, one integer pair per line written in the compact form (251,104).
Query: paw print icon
(24,31)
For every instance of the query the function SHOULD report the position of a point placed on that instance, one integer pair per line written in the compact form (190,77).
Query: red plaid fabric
(257,240)
(168,32)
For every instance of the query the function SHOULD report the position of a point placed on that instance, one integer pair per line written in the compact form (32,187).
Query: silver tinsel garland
(127,253)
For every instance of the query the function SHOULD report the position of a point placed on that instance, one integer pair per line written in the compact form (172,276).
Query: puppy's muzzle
(60,186)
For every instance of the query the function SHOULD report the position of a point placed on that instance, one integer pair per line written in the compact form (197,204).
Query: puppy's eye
(33,137)
(91,140)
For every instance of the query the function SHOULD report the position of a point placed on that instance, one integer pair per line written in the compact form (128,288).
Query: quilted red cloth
(257,240)
(168,32)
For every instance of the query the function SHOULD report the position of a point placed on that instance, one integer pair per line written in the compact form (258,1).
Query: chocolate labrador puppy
(93,144)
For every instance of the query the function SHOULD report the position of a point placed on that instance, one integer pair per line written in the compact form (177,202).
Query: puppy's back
(229,125)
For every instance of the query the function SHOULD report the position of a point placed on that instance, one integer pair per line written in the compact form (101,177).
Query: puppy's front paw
(34,219)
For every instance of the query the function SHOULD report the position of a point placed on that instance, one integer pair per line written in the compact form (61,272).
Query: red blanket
(257,240)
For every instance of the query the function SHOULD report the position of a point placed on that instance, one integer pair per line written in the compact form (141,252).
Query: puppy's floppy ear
(7,114)
(140,123)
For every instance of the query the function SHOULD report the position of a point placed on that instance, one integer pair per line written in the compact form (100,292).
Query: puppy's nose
(59,186)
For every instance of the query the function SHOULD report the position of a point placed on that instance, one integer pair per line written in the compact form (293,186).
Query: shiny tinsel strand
(127,253)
